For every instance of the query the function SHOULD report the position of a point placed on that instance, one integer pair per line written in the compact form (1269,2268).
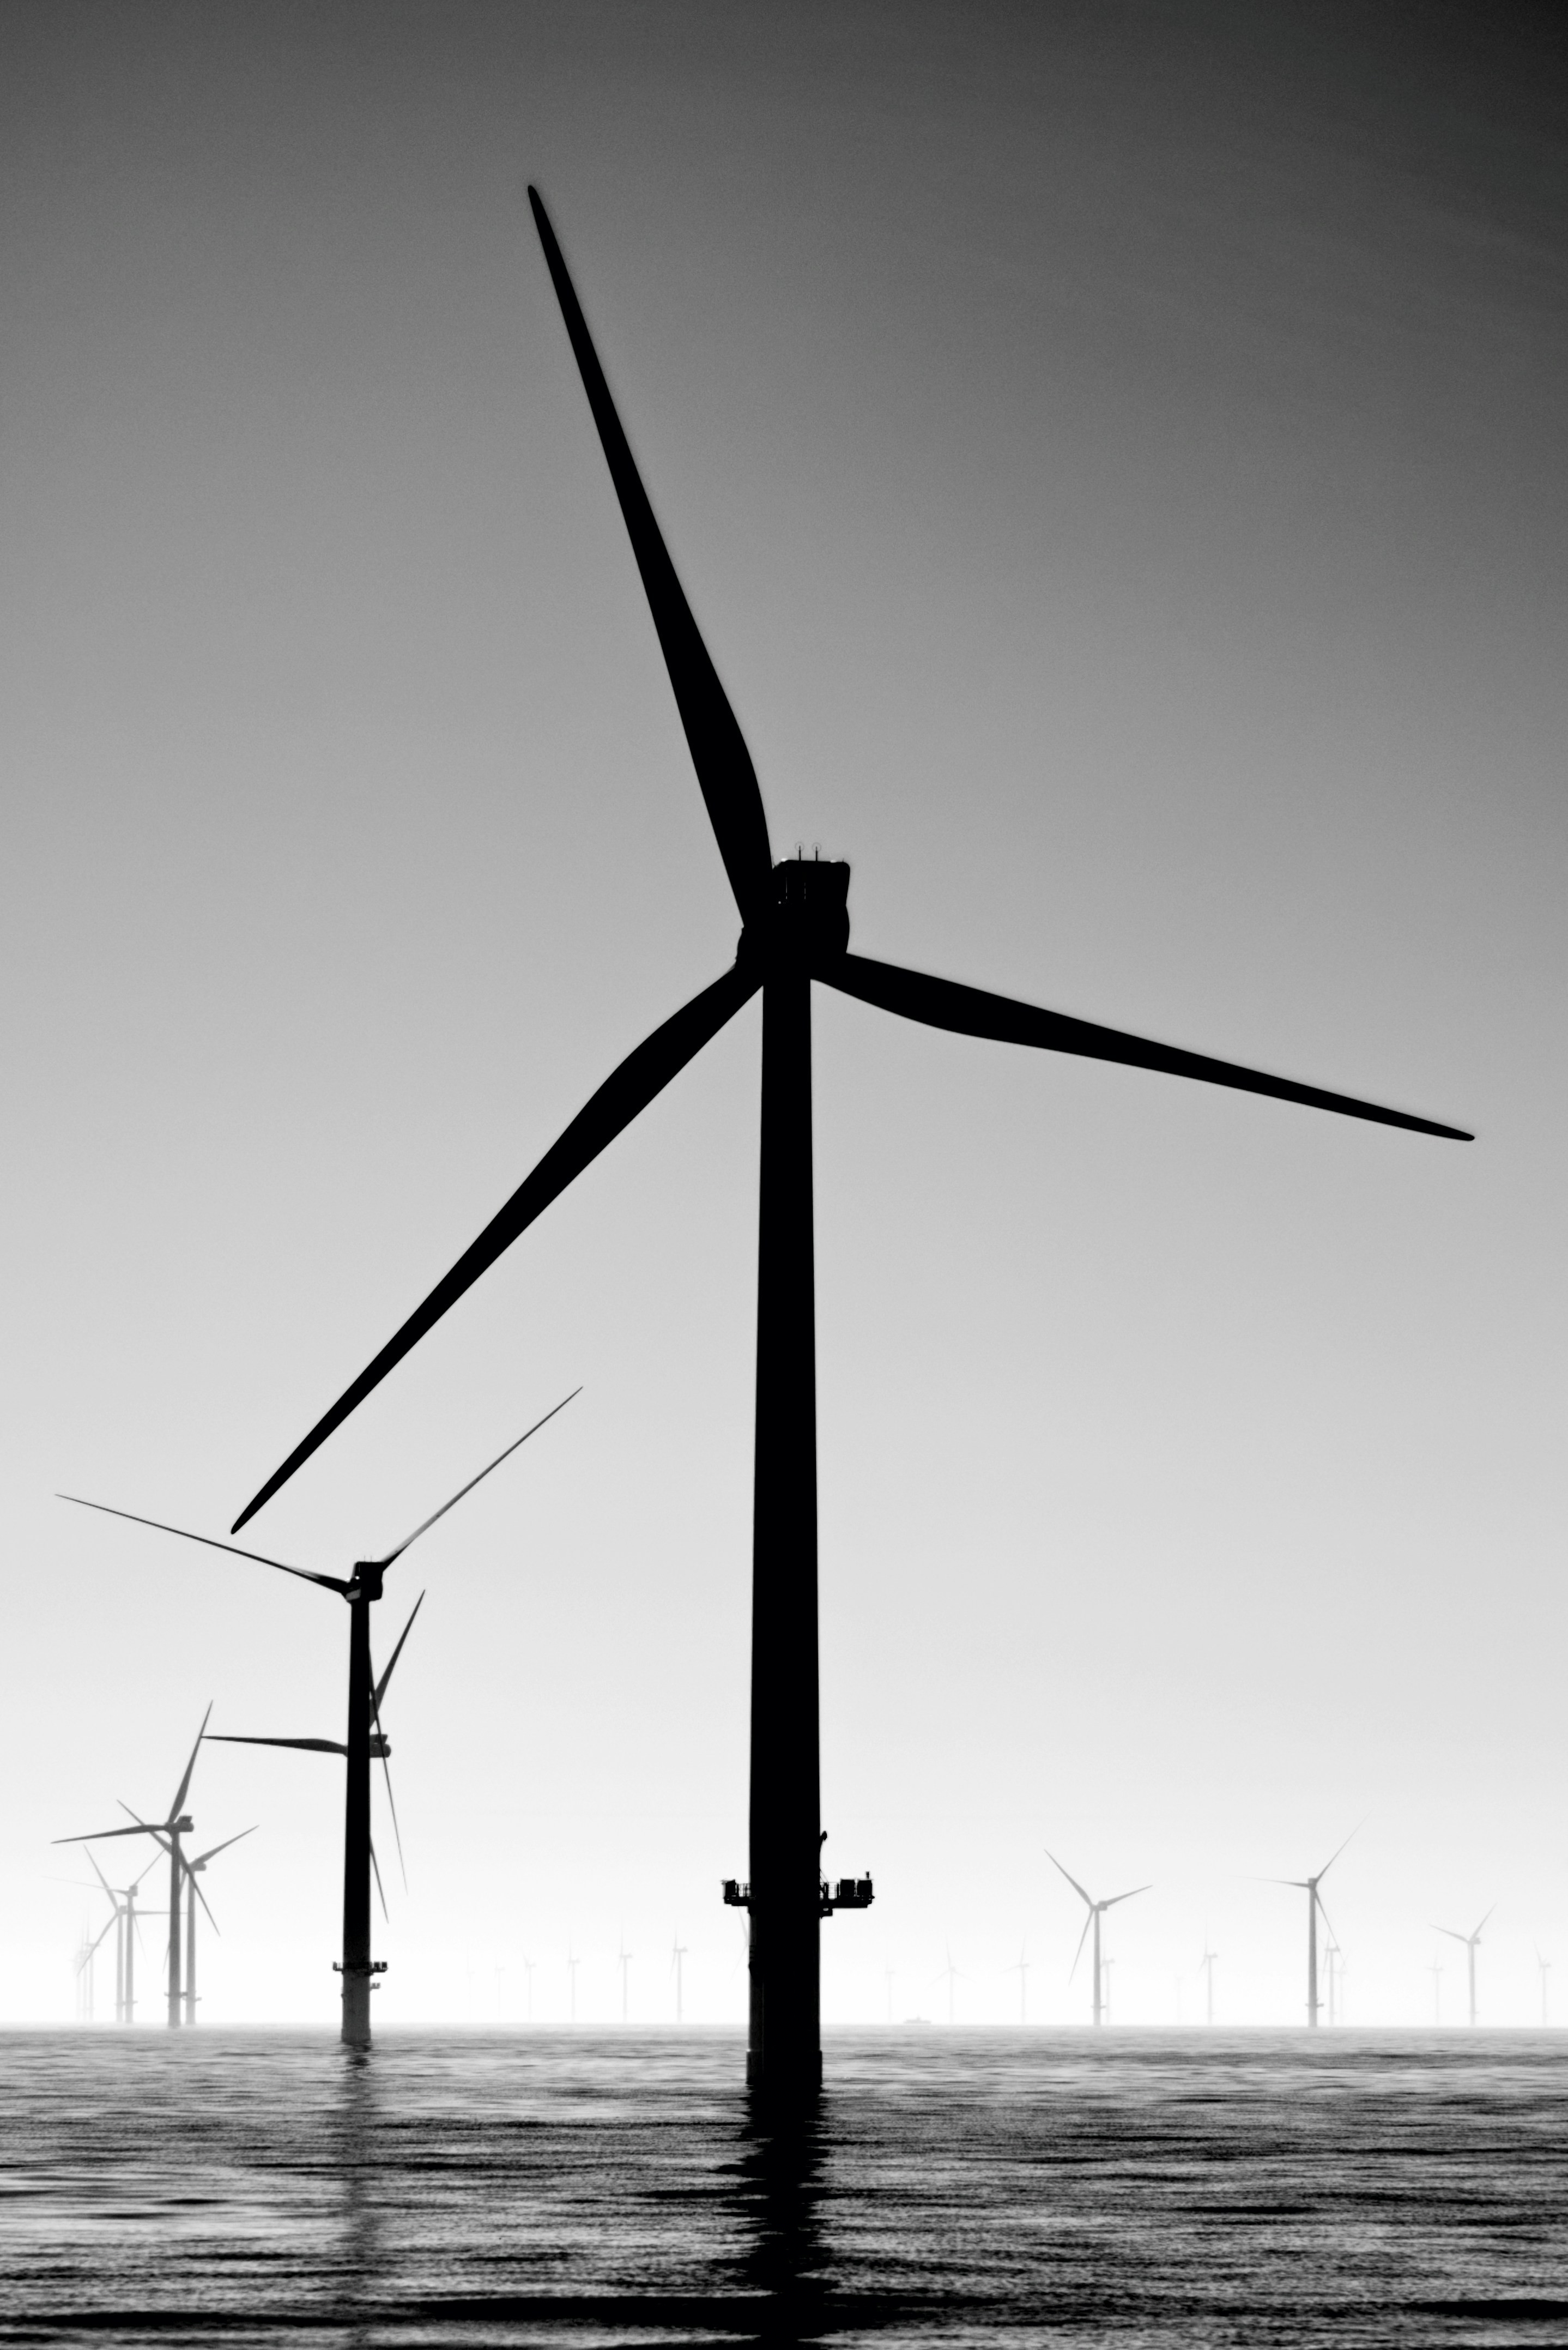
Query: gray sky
(1116,457)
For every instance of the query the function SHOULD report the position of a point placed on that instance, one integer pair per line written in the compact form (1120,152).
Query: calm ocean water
(585,2189)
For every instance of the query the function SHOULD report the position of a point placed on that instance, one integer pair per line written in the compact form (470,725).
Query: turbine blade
(113,1922)
(102,1835)
(718,754)
(386,1766)
(1126,1896)
(102,1879)
(178,1805)
(973,1012)
(379,1690)
(306,1745)
(203,1900)
(1071,1879)
(1334,1855)
(212,1850)
(1450,1933)
(146,1872)
(330,1581)
(458,1496)
(1083,1938)
(1323,1912)
(158,1834)
(1476,1935)
(643,1073)
(376,1870)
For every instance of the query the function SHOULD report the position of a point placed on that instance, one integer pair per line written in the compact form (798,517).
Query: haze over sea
(587,2187)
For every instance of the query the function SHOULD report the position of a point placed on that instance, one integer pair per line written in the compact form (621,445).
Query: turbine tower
(1206,1969)
(794,931)
(168,1834)
(1309,1886)
(363,1744)
(623,1962)
(1543,1967)
(1096,1911)
(1021,1966)
(677,1968)
(1472,1943)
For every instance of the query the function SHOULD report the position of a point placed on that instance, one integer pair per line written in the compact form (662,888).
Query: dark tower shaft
(357,1969)
(784,2037)
(1311,1953)
(175,1890)
(190,1949)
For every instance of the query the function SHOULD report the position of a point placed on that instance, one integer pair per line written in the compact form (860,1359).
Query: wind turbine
(194,1893)
(1020,1968)
(1309,1886)
(1472,1943)
(676,1958)
(1436,1971)
(363,1744)
(122,1900)
(1543,1967)
(623,1961)
(1206,1967)
(1096,1911)
(794,929)
(949,1974)
(528,1966)
(168,1834)
(573,1964)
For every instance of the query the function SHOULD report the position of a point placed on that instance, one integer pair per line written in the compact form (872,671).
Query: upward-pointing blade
(1071,1880)
(974,1011)
(719,752)
(642,1075)
(425,1525)
(178,1805)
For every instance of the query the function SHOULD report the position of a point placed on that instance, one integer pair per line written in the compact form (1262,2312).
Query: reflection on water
(594,2188)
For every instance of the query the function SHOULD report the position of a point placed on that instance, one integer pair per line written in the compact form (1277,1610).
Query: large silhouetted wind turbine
(1096,1911)
(364,1741)
(168,1834)
(795,929)
(1309,1886)
(1472,1944)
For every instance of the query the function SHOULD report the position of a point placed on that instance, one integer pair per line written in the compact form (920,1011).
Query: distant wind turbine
(949,1974)
(122,1900)
(794,931)
(178,1824)
(1545,1968)
(364,1741)
(1096,1911)
(1472,1943)
(624,1962)
(194,1893)
(1436,1971)
(1019,1967)
(573,1964)
(1206,1969)
(677,1957)
(1309,1886)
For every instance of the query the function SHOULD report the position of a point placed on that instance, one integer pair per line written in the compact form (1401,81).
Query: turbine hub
(365,1580)
(807,922)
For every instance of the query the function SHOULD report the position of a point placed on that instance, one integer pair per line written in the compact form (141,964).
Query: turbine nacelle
(807,922)
(366,1579)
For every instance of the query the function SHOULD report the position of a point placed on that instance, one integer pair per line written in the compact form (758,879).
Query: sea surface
(605,2188)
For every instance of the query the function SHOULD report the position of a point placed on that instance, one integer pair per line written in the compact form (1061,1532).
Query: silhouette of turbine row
(364,1743)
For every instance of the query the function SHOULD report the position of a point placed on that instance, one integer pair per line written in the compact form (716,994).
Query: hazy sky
(1116,453)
